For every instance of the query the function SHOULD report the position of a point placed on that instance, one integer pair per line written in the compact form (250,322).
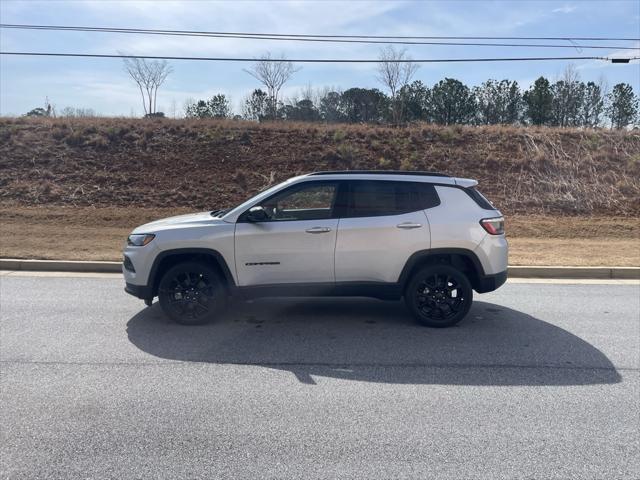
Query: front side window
(377,198)
(314,201)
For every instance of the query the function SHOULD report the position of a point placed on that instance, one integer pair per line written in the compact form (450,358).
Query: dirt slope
(210,164)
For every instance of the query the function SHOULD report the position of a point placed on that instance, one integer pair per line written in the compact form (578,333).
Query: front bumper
(489,283)
(141,291)
(136,269)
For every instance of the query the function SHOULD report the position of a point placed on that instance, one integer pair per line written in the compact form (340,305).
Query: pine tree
(539,102)
(622,105)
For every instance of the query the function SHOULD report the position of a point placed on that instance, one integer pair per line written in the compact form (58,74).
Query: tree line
(448,102)
(565,102)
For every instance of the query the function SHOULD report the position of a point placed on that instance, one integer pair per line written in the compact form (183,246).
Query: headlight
(140,240)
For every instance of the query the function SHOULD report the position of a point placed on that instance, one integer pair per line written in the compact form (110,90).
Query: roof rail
(381,172)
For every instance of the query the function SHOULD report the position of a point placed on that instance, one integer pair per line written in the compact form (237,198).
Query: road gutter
(516,271)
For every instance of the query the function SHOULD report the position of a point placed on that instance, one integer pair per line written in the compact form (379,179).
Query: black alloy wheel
(191,293)
(439,295)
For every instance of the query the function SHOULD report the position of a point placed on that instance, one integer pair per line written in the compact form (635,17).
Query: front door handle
(318,230)
(409,225)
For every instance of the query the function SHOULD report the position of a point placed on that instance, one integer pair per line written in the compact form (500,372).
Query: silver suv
(427,237)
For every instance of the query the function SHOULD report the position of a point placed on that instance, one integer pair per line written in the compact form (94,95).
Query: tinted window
(479,199)
(313,201)
(377,197)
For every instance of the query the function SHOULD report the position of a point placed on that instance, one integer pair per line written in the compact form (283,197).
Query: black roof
(381,172)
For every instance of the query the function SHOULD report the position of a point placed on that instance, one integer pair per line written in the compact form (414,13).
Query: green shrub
(74,139)
(58,133)
(447,134)
(339,135)
(98,142)
(384,162)
(406,164)
(347,152)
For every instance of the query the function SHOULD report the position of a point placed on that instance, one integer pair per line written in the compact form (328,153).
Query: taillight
(493,226)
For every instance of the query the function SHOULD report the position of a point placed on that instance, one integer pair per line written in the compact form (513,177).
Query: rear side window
(479,199)
(373,198)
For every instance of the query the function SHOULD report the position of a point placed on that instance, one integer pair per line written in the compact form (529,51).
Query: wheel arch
(168,258)
(460,258)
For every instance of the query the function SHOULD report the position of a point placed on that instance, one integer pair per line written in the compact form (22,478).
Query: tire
(439,296)
(191,293)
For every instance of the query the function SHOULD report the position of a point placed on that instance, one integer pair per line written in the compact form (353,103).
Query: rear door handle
(318,230)
(409,225)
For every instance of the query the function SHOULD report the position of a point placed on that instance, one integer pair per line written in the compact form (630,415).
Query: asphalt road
(540,381)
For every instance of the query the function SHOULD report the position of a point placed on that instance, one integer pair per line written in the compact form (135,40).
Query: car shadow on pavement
(375,341)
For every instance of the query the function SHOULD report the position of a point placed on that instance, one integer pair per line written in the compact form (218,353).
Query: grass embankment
(75,188)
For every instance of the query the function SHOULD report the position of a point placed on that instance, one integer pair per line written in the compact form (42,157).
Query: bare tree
(72,112)
(51,109)
(149,75)
(137,70)
(273,73)
(174,108)
(160,71)
(395,70)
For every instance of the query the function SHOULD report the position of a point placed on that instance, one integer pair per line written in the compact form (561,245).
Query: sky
(103,85)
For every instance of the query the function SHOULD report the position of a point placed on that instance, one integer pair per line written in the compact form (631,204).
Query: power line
(312,38)
(292,35)
(318,60)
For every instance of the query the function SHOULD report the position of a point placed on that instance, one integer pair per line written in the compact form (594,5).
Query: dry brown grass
(578,252)
(206,164)
(86,233)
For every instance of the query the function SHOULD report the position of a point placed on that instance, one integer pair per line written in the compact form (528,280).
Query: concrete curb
(514,271)
(618,273)
(60,266)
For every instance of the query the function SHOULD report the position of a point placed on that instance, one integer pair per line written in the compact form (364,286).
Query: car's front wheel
(439,295)
(191,293)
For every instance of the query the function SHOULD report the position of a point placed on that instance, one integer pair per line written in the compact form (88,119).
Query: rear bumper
(140,291)
(489,283)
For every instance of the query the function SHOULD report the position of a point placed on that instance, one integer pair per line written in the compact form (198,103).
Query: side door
(295,243)
(383,225)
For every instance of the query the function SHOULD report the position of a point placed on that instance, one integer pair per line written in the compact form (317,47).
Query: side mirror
(257,214)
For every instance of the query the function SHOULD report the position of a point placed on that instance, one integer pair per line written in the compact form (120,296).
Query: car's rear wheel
(191,293)
(439,295)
